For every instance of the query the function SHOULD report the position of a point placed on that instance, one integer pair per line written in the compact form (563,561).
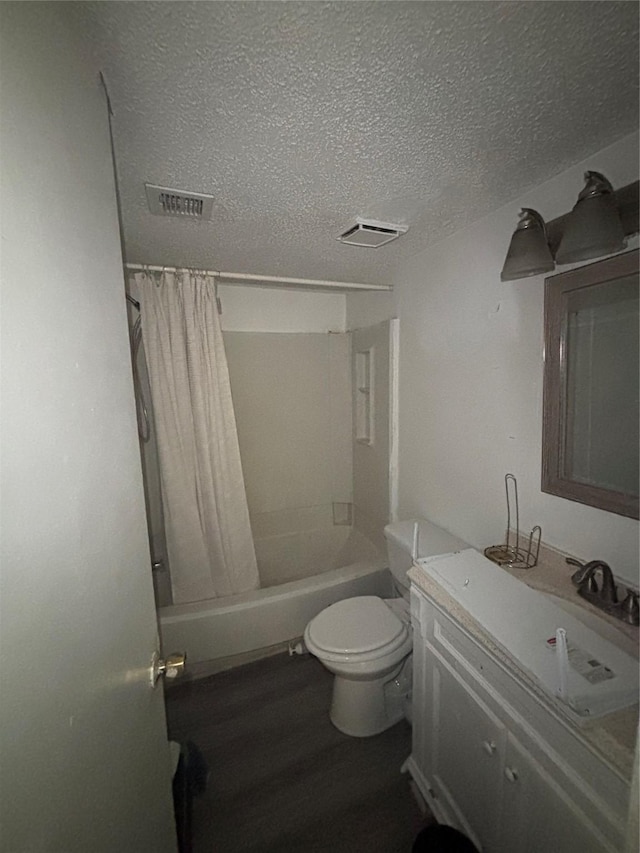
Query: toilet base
(367,708)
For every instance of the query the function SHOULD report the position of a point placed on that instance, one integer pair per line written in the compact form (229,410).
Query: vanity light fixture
(593,227)
(529,252)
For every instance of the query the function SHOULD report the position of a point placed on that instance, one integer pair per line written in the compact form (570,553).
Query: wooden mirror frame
(554,479)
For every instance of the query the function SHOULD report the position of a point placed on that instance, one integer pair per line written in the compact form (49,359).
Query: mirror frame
(554,414)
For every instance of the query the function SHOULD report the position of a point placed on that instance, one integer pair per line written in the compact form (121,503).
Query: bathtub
(223,632)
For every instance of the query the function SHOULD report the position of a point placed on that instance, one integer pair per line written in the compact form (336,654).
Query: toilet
(366,641)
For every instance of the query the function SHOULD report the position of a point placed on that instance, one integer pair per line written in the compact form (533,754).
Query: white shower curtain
(209,541)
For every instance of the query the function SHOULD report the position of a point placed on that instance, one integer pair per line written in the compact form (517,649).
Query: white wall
(369,308)
(263,309)
(471,360)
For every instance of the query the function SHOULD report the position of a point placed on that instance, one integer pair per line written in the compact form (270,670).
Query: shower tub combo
(222,632)
(308,556)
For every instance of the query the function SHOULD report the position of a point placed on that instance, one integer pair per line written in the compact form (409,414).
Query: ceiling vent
(371,233)
(164,201)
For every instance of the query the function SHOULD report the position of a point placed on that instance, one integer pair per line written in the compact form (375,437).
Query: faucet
(585,576)
(606,598)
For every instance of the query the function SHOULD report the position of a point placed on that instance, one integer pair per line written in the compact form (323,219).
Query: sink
(597,623)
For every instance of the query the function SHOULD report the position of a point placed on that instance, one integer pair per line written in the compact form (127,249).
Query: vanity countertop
(612,736)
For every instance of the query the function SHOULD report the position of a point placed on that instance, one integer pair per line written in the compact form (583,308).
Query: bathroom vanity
(495,754)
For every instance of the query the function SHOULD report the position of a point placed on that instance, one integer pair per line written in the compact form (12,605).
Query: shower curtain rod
(255,280)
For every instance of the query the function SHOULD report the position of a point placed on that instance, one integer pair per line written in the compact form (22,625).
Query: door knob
(171,667)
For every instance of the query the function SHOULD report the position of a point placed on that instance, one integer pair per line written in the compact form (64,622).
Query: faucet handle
(577,577)
(584,574)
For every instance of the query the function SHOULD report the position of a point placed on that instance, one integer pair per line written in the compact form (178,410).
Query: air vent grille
(371,233)
(164,201)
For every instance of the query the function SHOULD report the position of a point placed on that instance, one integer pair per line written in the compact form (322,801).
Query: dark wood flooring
(282,778)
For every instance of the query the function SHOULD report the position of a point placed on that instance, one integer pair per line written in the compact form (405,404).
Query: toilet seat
(363,627)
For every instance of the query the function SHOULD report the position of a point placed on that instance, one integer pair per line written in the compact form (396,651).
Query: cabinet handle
(511,774)
(489,747)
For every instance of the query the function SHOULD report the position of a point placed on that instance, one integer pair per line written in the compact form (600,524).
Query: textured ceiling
(298,116)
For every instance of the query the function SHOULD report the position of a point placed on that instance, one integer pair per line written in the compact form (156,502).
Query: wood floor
(282,778)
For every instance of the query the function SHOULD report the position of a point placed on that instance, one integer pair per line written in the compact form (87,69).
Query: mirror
(590,432)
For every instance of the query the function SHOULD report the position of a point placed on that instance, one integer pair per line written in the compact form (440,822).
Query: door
(539,813)
(468,752)
(84,753)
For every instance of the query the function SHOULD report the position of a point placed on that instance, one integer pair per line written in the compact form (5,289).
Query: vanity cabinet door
(468,753)
(538,814)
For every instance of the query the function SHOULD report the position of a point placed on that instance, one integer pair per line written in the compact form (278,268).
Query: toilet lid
(355,625)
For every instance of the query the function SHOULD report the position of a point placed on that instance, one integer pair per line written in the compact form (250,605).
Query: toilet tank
(432,541)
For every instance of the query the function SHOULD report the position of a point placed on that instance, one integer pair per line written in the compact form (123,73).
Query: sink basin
(597,624)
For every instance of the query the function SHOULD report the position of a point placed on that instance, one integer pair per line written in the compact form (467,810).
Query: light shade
(593,227)
(529,252)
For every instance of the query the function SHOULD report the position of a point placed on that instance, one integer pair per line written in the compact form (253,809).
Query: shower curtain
(209,542)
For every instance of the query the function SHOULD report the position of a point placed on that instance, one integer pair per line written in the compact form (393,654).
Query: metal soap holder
(510,554)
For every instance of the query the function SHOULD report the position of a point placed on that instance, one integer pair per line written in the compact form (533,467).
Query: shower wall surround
(292,399)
